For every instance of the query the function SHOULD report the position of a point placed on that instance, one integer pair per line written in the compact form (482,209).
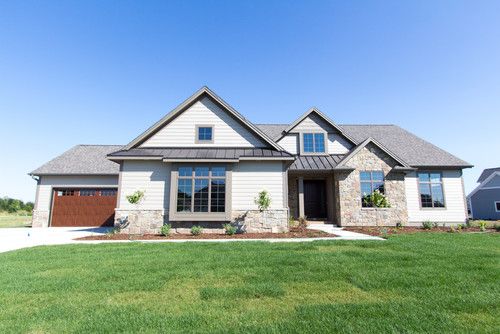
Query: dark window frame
(197,134)
(430,183)
(371,182)
(497,206)
(193,178)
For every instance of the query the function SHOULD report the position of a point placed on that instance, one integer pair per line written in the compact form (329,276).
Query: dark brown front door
(83,207)
(315,199)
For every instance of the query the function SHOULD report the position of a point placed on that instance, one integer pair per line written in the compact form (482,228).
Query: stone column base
(139,221)
(40,218)
(255,221)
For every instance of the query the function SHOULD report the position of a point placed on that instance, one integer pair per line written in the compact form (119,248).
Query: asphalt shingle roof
(92,159)
(82,160)
(412,149)
(487,172)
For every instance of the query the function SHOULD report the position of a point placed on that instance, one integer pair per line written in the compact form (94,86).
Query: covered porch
(312,193)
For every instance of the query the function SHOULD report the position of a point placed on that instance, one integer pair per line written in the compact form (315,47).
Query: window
(108,192)
(313,142)
(201,189)
(66,192)
(87,192)
(430,186)
(370,181)
(497,206)
(204,134)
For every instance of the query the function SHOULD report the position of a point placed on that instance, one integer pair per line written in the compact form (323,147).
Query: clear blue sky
(84,72)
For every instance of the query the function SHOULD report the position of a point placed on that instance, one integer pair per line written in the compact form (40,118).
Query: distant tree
(12,205)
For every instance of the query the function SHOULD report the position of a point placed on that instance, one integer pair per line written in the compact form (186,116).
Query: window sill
(375,209)
(199,216)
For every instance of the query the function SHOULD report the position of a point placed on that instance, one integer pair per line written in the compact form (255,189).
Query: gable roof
(204,91)
(486,173)
(81,160)
(321,115)
(412,149)
(354,151)
(484,182)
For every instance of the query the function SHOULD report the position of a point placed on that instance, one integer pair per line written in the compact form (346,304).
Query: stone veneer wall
(40,218)
(139,221)
(293,196)
(348,188)
(255,221)
(151,221)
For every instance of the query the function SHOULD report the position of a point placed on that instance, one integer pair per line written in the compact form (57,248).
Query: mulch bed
(294,233)
(383,231)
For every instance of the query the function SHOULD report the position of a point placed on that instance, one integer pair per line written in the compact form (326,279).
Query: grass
(14,220)
(419,283)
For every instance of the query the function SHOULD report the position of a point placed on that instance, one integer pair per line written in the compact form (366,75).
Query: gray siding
(483,204)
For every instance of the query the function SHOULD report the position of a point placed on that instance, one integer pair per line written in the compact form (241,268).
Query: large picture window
(370,181)
(201,189)
(430,186)
(313,142)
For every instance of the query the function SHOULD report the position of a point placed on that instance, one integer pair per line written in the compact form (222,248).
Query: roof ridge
(99,145)
(366,124)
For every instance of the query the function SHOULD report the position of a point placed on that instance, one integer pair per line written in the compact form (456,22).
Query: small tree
(135,197)
(377,200)
(263,200)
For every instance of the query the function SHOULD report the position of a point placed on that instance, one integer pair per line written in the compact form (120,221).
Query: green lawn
(441,283)
(14,220)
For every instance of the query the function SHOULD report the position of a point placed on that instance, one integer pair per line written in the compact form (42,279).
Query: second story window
(204,134)
(313,142)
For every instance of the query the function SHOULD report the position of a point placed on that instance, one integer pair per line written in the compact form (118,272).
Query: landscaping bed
(293,233)
(381,231)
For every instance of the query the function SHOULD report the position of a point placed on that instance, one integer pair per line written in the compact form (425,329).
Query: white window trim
(496,209)
(197,133)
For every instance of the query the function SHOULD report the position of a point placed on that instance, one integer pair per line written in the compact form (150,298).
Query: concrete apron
(17,238)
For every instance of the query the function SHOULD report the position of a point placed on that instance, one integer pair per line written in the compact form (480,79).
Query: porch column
(330,203)
(301,197)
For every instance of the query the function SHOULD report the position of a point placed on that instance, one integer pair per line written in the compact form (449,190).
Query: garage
(83,206)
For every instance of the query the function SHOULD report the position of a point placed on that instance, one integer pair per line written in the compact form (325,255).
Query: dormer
(314,133)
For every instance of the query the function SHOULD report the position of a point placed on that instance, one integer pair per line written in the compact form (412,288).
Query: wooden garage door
(83,207)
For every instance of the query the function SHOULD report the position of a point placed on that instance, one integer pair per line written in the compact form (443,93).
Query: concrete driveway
(16,238)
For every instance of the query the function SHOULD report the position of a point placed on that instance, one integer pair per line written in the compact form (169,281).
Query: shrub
(135,197)
(399,225)
(166,229)
(453,229)
(427,225)
(303,222)
(291,221)
(263,200)
(482,225)
(112,231)
(460,227)
(376,199)
(497,227)
(196,230)
(230,229)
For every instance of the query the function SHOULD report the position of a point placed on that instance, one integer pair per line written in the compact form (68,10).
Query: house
(484,200)
(204,163)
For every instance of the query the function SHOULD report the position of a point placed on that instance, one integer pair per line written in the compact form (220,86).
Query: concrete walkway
(17,238)
(341,233)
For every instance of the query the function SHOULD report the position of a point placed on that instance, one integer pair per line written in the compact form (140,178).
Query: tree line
(12,205)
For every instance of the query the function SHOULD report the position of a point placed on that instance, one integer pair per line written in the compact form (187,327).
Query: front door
(315,199)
